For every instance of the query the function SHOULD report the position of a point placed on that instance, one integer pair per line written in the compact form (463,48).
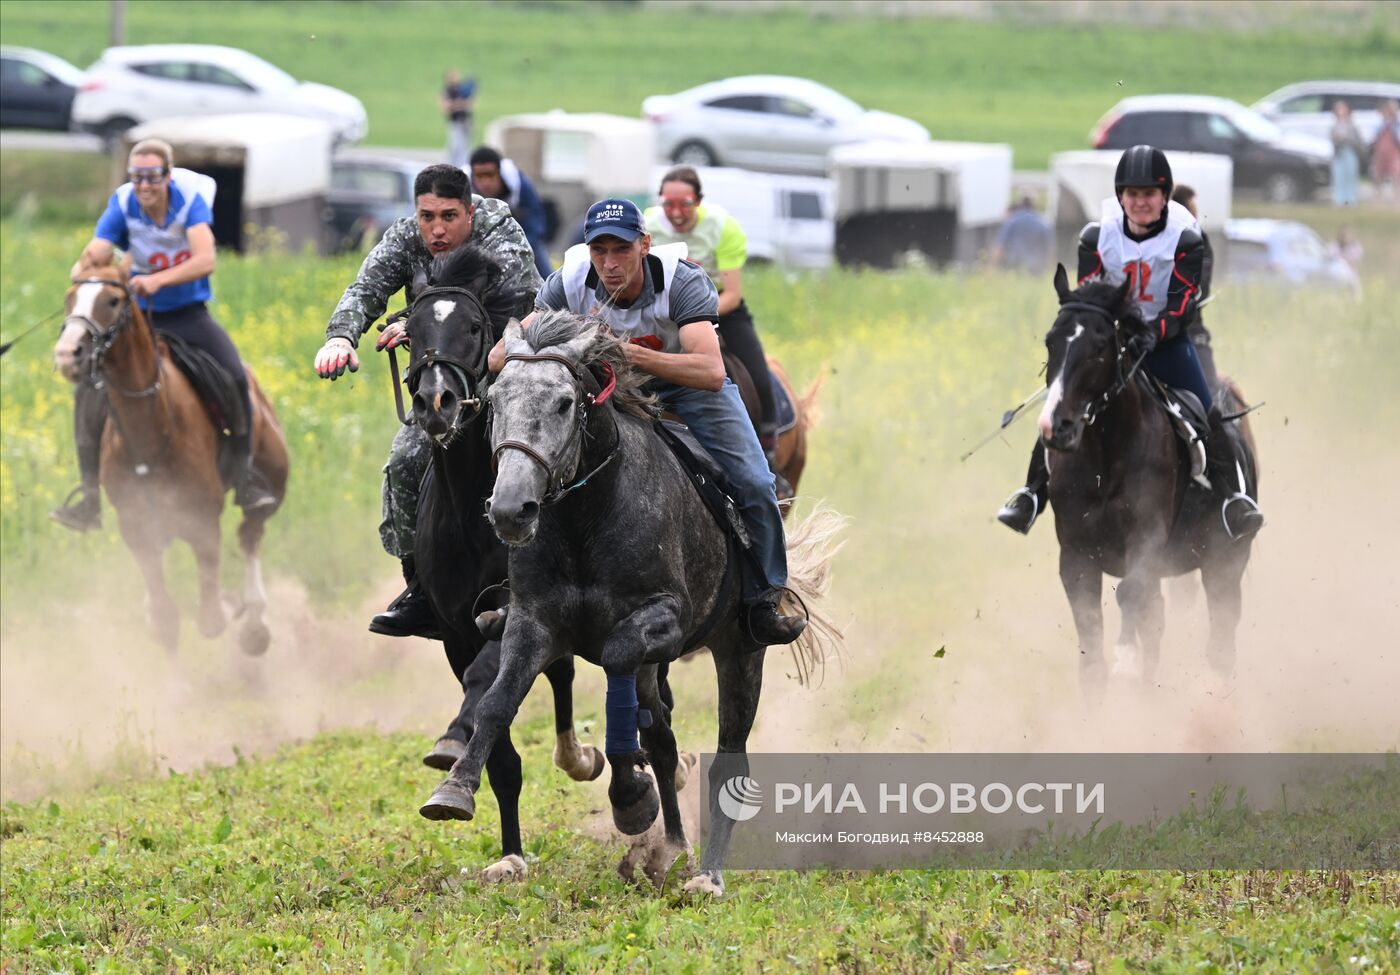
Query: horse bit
(554,483)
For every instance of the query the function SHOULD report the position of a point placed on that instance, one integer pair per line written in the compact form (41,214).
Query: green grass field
(1038,86)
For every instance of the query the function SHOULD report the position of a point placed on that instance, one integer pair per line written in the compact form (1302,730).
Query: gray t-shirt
(693,295)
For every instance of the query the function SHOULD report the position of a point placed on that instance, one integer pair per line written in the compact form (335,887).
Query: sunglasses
(689,203)
(151,176)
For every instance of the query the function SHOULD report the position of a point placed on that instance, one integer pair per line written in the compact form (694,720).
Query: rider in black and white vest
(1158,246)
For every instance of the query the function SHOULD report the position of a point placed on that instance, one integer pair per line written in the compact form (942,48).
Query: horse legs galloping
(1221,574)
(202,535)
(1152,623)
(1083,583)
(1137,594)
(659,740)
(739,672)
(148,544)
(526,648)
(253,635)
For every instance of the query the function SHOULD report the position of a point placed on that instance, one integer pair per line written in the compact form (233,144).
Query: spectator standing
(458,104)
(1026,241)
(1347,150)
(1385,152)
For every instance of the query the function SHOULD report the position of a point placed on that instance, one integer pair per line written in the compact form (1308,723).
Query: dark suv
(1281,166)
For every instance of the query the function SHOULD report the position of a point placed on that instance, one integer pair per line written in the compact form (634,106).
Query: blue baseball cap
(613,218)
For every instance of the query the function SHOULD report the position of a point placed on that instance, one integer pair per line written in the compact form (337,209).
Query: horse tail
(1231,400)
(807,403)
(811,546)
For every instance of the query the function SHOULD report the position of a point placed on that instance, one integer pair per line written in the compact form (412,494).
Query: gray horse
(616,559)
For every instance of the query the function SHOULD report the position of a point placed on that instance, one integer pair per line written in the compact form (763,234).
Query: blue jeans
(1175,363)
(718,420)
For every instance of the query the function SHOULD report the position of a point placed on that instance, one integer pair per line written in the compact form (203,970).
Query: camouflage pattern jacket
(401,254)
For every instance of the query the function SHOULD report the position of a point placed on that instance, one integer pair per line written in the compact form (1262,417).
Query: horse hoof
(510,867)
(637,818)
(254,638)
(445,754)
(599,763)
(685,764)
(707,883)
(492,624)
(449,801)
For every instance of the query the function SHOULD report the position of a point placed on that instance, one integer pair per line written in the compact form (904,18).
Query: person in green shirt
(716,242)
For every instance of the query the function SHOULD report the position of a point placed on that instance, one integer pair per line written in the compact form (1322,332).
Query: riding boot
(85,513)
(1226,463)
(1025,505)
(410,614)
(766,623)
(253,492)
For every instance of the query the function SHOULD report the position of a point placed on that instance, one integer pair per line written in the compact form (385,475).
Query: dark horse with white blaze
(160,454)
(614,558)
(450,331)
(1121,487)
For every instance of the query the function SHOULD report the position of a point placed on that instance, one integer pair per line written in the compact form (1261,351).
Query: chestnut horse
(792,442)
(160,453)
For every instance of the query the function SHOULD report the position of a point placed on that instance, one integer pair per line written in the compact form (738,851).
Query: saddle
(217,391)
(1189,420)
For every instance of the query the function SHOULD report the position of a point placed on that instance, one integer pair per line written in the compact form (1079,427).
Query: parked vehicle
(367,194)
(36,89)
(789,220)
(1306,107)
(129,85)
(1283,251)
(767,122)
(1282,166)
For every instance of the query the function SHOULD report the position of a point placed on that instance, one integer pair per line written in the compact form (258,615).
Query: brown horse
(160,453)
(792,442)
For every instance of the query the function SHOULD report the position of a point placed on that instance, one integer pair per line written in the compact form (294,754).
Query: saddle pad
(214,385)
(784,410)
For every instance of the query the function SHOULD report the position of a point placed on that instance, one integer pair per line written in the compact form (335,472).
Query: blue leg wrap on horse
(621,737)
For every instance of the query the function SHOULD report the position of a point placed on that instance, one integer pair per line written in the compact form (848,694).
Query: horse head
(98,306)
(1085,349)
(555,374)
(449,330)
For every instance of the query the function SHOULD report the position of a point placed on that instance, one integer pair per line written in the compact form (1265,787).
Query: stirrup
(1253,506)
(1008,512)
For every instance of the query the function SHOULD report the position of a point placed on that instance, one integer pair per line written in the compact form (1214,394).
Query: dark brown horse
(1120,483)
(160,454)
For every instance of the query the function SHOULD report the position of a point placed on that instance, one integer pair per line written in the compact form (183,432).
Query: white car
(1307,106)
(767,122)
(130,85)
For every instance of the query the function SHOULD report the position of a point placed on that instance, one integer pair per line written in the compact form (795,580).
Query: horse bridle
(1097,405)
(430,357)
(104,338)
(555,489)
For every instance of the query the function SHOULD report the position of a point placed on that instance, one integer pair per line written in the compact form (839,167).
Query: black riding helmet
(1143,166)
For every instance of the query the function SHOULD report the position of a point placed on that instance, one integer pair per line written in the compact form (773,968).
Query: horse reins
(432,357)
(104,338)
(555,489)
(1096,406)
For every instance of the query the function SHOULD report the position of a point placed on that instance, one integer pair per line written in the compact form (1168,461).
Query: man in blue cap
(667,307)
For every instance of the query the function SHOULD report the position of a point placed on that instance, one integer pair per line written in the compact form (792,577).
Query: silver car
(767,122)
(1307,106)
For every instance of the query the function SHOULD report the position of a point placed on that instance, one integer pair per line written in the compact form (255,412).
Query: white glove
(392,337)
(335,357)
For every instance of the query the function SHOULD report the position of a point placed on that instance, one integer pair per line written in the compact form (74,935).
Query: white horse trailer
(1081,181)
(577,159)
(272,172)
(942,200)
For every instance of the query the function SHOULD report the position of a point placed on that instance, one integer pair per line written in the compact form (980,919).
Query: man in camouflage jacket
(447,216)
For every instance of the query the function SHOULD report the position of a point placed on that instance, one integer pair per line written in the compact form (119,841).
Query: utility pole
(116,33)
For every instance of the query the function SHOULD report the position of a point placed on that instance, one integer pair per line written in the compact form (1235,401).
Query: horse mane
(474,269)
(556,328)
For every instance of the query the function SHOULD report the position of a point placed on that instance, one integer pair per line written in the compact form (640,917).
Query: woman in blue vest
(162,219)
